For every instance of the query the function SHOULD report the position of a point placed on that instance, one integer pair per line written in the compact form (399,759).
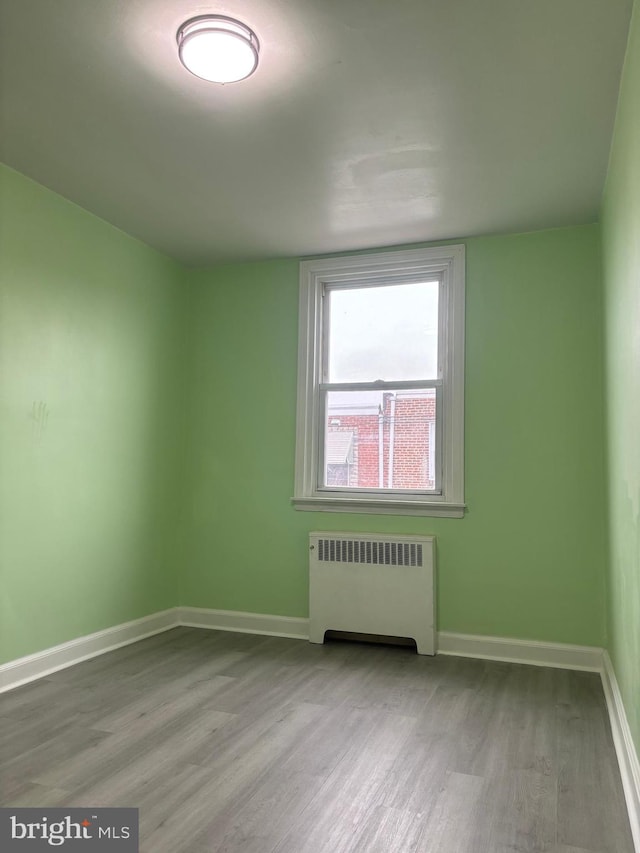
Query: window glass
(387,332)
(380,416)
(381,440)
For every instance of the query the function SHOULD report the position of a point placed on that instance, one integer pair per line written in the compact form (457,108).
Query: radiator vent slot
(372,552)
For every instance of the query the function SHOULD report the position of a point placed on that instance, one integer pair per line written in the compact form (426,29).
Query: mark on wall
(39,416)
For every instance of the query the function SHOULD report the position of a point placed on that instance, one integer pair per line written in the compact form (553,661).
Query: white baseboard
(23,670)
(625,748)
(561,655)
(50,660)
(28,668)
(245,623)
(463,645)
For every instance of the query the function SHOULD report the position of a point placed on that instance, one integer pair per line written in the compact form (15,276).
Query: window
(381,383)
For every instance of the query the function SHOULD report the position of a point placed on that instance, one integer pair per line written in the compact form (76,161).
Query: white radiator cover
(372,584)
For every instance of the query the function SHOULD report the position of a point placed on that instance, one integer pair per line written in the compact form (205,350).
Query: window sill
(368,506)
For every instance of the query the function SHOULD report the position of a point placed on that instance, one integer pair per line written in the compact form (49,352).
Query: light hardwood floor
(233,743)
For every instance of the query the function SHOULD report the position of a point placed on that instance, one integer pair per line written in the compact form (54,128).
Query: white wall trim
(591,658)
(29,668)
(504,649)
(625,748)
(317,276)
(21,671)
(561,655)
(294,627)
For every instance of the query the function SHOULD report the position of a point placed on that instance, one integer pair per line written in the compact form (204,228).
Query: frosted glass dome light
(217,48)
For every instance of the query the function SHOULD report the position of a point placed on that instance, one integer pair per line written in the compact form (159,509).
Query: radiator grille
(360,551)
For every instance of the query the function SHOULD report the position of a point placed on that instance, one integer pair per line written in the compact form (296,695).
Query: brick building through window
(382,440)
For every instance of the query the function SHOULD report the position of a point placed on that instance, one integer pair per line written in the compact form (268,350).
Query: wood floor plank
(421,767)
(32,795)
(588,771)
(563,848)
(343,807)
(234,743)
(233,784)
(452,825)
(255,825)
(390,829)
(30,698)
(46,752)
(154,740)
(160,705)
(517,812)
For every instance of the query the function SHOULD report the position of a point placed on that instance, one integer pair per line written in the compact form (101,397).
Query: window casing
(439,489)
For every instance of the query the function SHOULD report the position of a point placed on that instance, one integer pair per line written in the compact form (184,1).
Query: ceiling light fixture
(218,49)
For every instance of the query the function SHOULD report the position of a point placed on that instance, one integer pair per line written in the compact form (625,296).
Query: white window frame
(446,263)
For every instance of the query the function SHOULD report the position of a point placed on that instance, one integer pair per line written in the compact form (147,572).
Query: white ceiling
(368,123)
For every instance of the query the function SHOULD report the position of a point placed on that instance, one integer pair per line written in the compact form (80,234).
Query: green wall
(621,254)
(528,559)
(91,332)
(138,473)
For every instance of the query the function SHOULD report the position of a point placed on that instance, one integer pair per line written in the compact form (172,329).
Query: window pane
(388,332)
(381,440)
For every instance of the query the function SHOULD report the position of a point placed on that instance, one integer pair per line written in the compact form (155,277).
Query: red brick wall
(410,431)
